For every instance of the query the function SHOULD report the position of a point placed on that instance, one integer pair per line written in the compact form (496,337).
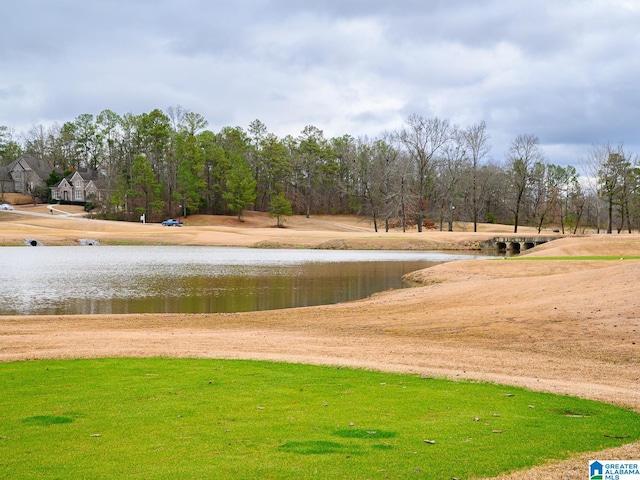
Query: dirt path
(569,327)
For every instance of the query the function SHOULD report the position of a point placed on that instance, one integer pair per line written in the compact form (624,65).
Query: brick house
(79,186)
(24,175)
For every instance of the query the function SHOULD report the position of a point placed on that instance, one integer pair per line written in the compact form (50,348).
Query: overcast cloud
(566,71)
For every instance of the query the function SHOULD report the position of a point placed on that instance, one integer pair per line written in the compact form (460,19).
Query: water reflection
(99,280)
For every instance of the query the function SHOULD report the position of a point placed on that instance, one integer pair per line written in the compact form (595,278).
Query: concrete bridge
(515,244)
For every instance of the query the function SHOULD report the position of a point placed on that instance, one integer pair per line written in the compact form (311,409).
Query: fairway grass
(190,418)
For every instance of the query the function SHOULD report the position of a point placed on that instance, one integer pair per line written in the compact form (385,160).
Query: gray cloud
(564,71)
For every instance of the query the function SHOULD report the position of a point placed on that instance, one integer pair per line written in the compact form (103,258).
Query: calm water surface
(119,279)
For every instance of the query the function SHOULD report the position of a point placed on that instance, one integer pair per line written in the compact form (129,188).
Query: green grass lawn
(187,418)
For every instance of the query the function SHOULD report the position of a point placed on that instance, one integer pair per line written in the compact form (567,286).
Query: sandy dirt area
(563,326)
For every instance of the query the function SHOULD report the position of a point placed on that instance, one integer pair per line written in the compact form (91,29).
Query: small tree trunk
(610,221)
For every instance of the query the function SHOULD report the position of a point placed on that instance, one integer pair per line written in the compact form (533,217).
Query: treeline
(428,173)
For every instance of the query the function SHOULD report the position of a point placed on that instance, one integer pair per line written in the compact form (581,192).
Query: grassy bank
(168,418)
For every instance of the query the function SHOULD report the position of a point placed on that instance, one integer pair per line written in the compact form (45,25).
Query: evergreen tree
(279,207)
(240,186)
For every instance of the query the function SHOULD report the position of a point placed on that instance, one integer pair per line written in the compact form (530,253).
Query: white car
(6,206)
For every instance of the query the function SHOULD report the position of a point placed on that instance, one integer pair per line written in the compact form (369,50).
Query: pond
(154,279)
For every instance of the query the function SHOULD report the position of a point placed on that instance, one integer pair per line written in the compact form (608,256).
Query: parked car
(172,223)
(6,206)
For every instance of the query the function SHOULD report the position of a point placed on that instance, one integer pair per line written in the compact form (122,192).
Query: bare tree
(544,198)
(424,139)
(379,171)
(614,176)
(35,141)
(523,154)
(450,171)
(591,164)
(476,140)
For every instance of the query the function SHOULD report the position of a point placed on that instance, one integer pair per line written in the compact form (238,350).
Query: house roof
(86,176)
(40,167)
(57,184)
(91,176)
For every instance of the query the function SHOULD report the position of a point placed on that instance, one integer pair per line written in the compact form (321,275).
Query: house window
(78,194)
(55,194)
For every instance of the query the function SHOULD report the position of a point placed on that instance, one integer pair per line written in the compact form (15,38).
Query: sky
(566,71)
